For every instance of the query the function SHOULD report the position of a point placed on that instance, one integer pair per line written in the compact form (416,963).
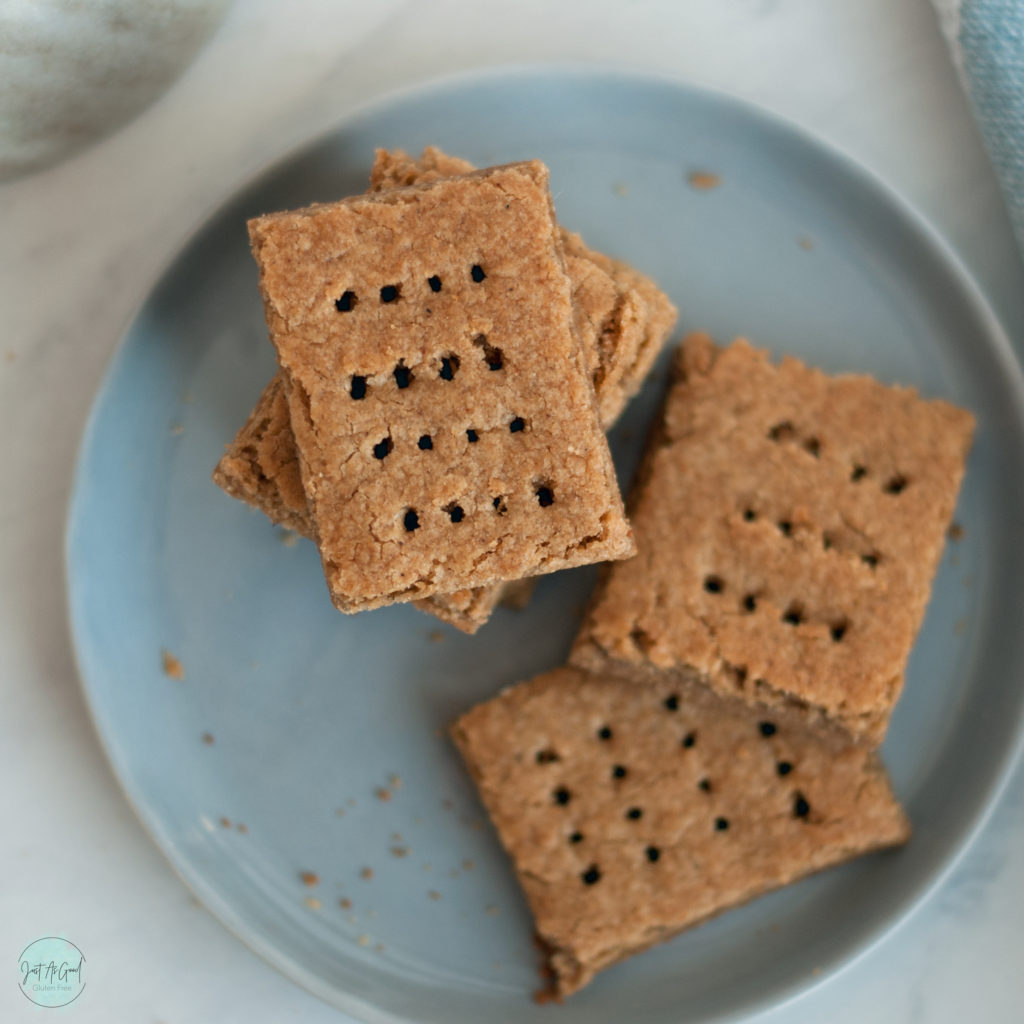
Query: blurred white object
(73,72)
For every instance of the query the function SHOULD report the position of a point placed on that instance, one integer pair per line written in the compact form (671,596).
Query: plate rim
(783,993)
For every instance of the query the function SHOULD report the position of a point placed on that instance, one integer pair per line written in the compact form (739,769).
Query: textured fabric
(987,41)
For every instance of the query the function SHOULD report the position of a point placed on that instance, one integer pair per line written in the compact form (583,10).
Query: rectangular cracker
(789,525)
(447,431)
(632,813)
(623,320)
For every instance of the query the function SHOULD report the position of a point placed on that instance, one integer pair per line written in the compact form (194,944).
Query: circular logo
(50,971)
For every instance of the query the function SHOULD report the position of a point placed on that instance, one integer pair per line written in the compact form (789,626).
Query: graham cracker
(789,525)
(623,320)
(261,465)
(446,429)
(632,813)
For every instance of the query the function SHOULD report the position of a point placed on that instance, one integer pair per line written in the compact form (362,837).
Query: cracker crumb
(312,902)
(382,793)
(703,181)
(379,947)
(289,538)
(399,851)
(956,531)
(620,188)
(467,865)
(363,940)
(345,903)
(434,894)
(340,812)
(172,666)
(492,909)
(805,242)
(177,429)
(435,636)
(366,874)
(395,781)
(351,801)
(207,738)
(428,867)
(226,822)
(396,837)
(309,877)
(243,828)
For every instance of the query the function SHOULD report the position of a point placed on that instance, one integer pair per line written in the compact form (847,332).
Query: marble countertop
(80,245)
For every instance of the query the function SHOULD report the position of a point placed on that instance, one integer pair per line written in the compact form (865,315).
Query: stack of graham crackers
(448,360)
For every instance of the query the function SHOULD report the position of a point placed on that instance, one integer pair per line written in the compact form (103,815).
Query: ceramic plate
(301,740)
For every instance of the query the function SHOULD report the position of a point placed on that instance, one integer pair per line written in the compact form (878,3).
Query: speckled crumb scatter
(595,786)
(172,667)
(208,739)
(309,878)
(805,515)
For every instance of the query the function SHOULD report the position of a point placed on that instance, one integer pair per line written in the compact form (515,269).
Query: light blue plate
(311,712)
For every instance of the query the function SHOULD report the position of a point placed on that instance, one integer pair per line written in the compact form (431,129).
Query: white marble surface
(81,243)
